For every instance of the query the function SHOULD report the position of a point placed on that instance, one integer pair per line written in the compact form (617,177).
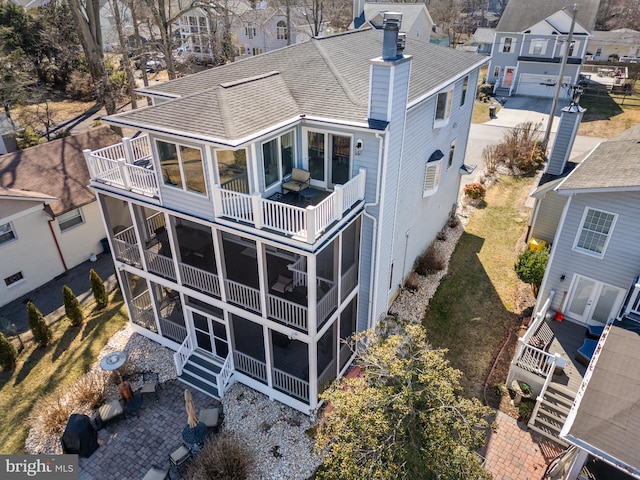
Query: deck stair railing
(226,372)
(530,357)
(181,356)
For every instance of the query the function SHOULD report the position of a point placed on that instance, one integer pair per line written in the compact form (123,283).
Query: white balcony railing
(287,312)
(224,377)
(326,377)
(289,384)
(126,165)
(181,357)
(160,265)
(349,280)
(327,304)
(242,295)
(633,305)
(250,366)
(306,224)
(201,280)
(172,330)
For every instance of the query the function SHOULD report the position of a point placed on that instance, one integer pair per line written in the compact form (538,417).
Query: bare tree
(448,16)
(87,16)
(124,50)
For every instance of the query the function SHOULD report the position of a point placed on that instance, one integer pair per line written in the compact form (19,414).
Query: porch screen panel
(248,338)
(286,153)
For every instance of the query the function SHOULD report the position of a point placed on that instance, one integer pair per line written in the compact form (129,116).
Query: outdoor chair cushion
(300,179)
(110,410)
(282,284)
(156,473)
(180,455)
(594,331)
(150,383)
(209,416)
(586,351)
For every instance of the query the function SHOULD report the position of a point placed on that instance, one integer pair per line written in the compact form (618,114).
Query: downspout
(374,220)
(49,212)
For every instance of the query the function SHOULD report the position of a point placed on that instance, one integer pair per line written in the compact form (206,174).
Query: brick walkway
(513,453)
(129,447)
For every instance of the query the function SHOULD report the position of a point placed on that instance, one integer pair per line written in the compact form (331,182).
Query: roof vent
(391,27)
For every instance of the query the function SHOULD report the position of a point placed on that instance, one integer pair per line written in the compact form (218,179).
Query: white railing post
(547,381)
(311,224)
(337,202)
(87,158)
(362,172)
(256,205)
(217,201)
(128,150)
(124,173)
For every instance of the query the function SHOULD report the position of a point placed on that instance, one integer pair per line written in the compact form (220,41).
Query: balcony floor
(295,199)
(568,338)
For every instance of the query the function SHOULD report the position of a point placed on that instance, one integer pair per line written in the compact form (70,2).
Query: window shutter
(431,178)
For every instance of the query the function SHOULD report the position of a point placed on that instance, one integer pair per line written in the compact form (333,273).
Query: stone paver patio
(129,447)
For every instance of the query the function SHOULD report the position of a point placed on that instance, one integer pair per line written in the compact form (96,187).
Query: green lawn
(472,310)
(42,371)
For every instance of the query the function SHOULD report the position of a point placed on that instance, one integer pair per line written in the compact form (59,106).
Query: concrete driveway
(516,110)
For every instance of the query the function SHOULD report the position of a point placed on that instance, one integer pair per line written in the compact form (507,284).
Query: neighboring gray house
(588,212)
(416,21)
(8,129)
(246,280)
(530,42)
(483,40)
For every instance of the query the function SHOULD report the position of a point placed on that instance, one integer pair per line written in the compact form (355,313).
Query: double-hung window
(465,86)
(277,158)
(595,232)
(70,219)
(443,108)
(507,45)
(182,167)
(6,233)
(538,47)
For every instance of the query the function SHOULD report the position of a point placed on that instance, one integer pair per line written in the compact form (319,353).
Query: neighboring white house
(8,129)
(623,44)
(251,282)
(483,39)
(530,43)
(416,21)
(49,219)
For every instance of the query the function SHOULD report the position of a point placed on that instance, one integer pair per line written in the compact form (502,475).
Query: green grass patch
(481,111)
(472,310)
(43,371)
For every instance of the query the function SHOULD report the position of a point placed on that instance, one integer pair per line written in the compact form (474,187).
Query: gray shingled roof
(621,35)
(410,12)
(326,77)
(519,15)
(56,168)
(612,164)
(608,417)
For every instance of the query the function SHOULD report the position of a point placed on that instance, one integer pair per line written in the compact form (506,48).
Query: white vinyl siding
(595,232)
(70,219)
(431,178)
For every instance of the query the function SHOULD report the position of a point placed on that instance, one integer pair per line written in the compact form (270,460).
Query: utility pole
(563,66)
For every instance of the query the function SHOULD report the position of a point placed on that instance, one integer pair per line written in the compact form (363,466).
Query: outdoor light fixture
(562,277)
(359,145)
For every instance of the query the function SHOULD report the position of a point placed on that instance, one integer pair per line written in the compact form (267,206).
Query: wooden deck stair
(201,372)
(552,412)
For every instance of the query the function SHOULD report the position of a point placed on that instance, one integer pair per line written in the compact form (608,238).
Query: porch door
(591,301)
(508,76)
(210,335)
(329,158)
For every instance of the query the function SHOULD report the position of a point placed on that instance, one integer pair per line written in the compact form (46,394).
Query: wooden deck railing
(290,384)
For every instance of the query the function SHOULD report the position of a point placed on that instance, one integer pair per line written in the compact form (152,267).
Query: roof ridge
(335,72)
(225,112)
(242,81)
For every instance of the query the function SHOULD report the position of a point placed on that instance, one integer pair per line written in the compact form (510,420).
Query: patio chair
(211,417)
(157,473)
(150,383)
(179,456)
(586,351)
(283,284)
(300,179)
(110,411)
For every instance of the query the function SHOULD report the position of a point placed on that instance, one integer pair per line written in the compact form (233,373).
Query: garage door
(540,85)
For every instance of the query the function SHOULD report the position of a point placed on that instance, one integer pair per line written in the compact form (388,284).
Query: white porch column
(578,462)
(128,150)
(312,305)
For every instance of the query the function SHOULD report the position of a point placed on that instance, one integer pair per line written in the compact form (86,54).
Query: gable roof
(484,35)
(410,13)
(14,194)
(606,419)
(519,15)
(323,78)
(56,169)
(614,164)
(620,36)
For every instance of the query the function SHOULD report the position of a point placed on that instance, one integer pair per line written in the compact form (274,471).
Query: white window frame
(183,178)
(441,122)
(576,48)
(465,88)
(543,47)
(598,53)
(496,71)
(68,220)
(9,230)
(250,31)
(582,228)
(282,32)
(503,44)
(431,178)
(278,141)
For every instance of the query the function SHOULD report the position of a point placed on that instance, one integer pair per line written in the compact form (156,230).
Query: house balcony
(129,166)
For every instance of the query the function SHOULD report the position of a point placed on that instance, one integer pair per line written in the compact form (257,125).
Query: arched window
(282,32)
